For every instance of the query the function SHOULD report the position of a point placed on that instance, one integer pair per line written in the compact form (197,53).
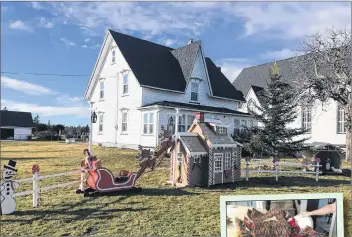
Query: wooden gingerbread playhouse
(205,155)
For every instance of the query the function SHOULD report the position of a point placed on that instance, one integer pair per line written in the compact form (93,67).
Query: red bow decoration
(35,169)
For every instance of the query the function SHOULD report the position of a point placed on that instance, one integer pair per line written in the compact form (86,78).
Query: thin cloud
(232,67)
(20,25)
(36,6)
(43,22)
(169,42)
(68,42)
(84,46)
(86,40)
(278,54)
(46,110)
(26,87)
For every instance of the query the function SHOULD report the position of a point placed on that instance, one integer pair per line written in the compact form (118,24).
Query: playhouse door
(218,168)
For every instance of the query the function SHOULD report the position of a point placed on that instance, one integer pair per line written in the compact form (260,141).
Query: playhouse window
(227,161)
(196,159)
(194,91)
(148,123)
(218,163)
(221,130)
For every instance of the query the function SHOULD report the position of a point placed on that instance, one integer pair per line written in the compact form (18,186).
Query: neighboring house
(136,87)
(324,124)
(16,125)
(205,156)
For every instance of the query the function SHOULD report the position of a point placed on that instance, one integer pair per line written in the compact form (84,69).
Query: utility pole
(91,127)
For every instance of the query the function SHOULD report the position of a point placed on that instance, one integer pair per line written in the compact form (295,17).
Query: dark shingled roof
(194,144)
(162,67)
(186,56)
(196,107)
(214,138)
(16,119)
(257,88)
(259,75)
(220,85)
(153,64)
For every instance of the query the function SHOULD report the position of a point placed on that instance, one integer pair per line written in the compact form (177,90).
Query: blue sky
(65,38)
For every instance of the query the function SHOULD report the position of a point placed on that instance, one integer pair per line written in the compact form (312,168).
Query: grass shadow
(24,158)
(290,182)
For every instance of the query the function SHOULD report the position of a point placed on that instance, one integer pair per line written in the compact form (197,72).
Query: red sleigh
(102,180)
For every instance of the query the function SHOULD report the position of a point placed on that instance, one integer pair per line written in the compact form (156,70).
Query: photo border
(338,196)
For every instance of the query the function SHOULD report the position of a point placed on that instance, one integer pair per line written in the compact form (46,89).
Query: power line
(47,74)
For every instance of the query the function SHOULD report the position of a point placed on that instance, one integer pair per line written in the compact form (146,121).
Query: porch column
(233,163)
(175,151)
(210,172)
(91,127)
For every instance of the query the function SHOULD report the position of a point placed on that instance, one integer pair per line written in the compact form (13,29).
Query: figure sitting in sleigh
(102,180)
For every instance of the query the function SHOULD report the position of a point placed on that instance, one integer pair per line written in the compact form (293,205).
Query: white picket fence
(278,171)
(36,190)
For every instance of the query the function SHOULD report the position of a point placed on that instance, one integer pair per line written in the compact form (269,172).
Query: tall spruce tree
(277,110)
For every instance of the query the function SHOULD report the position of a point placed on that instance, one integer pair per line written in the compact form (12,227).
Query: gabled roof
(153,64)
(193,143)
(195,107)
(220,85)
(186,56)
(166,68)
(215,138)
(16,119)
(259,75)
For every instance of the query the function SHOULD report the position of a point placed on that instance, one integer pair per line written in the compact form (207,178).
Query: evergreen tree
(277,110)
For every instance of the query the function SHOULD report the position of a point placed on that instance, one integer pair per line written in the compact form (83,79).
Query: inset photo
(286,215)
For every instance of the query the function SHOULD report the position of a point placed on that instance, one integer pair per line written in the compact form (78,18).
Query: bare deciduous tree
(324,72)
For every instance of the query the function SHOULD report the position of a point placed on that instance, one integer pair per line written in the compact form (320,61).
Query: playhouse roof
(214,137)
(193,142)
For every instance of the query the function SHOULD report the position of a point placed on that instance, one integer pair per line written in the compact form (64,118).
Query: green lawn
(159,210)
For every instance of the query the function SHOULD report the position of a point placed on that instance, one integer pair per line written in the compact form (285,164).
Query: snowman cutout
(7,188)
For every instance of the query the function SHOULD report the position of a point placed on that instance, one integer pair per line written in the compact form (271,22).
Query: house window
(341,120)
(196,159)
(182,123)
(236,126)
(124,121)
(251,106)
(113,56)
(194,91)
(221,130)
(125,84)
(101,122)
(190,119)
(218,163)
(148,123)
(227,161)
(101,95)
(250,123)
(307,119)
(243,124)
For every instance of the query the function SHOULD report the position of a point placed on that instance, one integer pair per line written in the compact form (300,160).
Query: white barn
(136,87)
(16,125)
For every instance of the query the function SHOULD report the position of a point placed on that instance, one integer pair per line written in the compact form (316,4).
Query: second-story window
(113,56)
(101,94)
(101,123)
(341,120)
(125,84)
(307,119)
(194,91)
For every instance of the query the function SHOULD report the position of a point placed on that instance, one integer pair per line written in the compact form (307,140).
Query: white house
(16,125)
(323,123)
(136,87)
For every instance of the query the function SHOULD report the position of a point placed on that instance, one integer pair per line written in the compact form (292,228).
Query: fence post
(247,171)
(276,171)
(35,189)
(317,172)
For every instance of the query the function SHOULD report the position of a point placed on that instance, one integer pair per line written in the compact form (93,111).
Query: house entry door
(218,168)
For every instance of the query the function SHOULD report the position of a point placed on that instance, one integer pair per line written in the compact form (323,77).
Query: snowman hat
(11,165)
